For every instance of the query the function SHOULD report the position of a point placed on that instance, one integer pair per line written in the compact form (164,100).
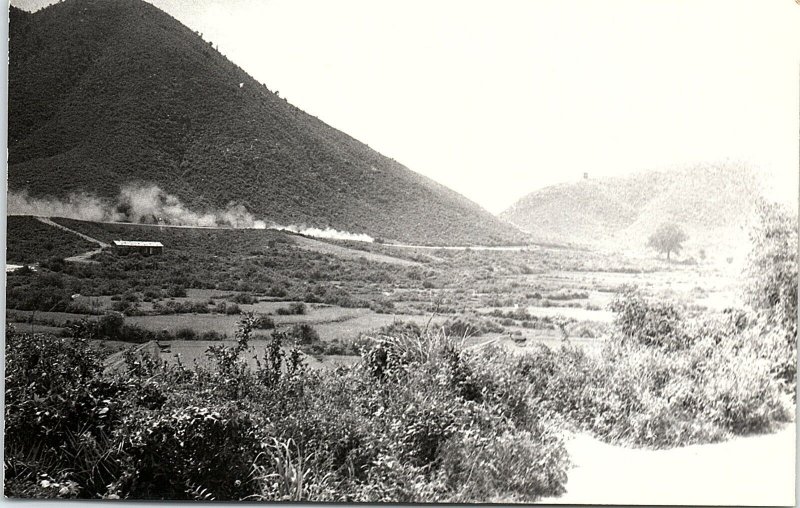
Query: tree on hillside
(667,238)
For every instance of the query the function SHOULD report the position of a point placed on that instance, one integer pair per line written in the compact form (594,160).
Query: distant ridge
(711,202)
(102,93)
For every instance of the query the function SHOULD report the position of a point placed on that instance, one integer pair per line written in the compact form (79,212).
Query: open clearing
(743,471)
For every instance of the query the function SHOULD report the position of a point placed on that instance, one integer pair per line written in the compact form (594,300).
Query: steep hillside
(104,93)
(712,203)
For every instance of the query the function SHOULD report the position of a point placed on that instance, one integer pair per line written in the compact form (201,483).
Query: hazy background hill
(712,203)
(102,93)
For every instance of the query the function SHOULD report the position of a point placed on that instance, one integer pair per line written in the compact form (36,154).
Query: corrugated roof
(127,243)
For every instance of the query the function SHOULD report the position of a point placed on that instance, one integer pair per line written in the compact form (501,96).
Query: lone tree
(667,238)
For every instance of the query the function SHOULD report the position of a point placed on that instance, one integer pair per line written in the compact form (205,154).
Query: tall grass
(420,419)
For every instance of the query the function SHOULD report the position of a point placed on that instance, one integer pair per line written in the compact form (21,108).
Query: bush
(110,325)
(296,308)
(176,291)
(772,267)
(564,294)
(211,454)
(185,334)
(304,333)
(213,335)
(647,322)
(399,328)
(59,414)
(227,308)
(512,467)
(244,298)
(470,326)
(264,323)
(698,381)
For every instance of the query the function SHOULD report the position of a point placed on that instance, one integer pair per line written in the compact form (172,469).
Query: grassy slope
(207,242)
(103,93)
(30,241)
(707,201)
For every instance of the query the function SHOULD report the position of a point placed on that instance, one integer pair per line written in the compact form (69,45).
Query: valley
(348,290)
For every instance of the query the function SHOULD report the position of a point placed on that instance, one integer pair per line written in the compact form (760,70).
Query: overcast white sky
(497,98)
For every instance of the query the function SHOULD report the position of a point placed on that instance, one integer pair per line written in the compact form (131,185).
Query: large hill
(105,93)
(712,203)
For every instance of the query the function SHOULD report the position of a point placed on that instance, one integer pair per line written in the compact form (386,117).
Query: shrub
(772,267)
(264,323)
(647,322)
(151,294)
(304,333)
(294,308)
(400,328)
(110,325)
(176,291)
(514,466)
(213,335)
(244,298)
(564,294)
(470,326)
(59,414)
(210,450)
(185,334)
(720,377)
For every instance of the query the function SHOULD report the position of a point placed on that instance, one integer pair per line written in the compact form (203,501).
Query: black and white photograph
(401,251)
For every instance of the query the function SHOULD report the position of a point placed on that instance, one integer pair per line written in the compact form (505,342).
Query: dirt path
(49,222)
(84,258)
(744,471)
(80,258)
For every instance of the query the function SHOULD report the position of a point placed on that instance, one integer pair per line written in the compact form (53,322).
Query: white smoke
(149,204)
(76,206)
(141,204)
(327,233)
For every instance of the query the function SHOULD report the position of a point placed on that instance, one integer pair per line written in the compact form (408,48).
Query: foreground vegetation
(417,420)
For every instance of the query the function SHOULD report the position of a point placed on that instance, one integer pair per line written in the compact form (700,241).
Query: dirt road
(744,471)
(80,258)
(46,220)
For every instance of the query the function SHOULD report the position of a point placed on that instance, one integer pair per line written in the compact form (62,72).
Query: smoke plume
(76,206)
(328,233)
(149,204)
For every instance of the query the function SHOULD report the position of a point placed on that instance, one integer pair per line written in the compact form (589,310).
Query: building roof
(127,243)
